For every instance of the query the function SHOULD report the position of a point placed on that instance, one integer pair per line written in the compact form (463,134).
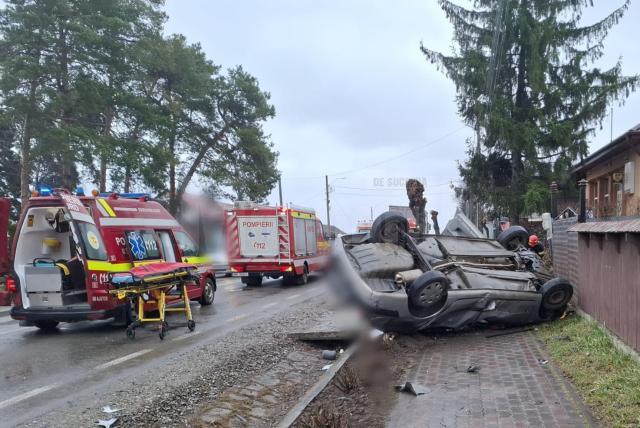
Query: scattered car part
(328,354)
(107,423)
(387,226)
(109,409)
(412,389)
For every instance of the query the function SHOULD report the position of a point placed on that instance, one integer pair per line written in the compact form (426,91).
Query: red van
(66,246)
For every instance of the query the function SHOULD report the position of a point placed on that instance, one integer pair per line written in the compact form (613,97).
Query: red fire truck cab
(65,248)
(275,242)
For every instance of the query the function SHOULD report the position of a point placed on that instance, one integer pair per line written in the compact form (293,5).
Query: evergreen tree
(526,84)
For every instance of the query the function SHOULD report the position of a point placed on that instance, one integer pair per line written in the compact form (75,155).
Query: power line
(415,149)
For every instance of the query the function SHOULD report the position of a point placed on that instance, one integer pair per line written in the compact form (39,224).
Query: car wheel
(208,293)
(556,294)
(303,277)
(513,238)
(46,325)
(387,228)
(428,293)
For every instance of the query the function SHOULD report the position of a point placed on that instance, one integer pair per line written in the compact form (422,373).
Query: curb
(315,390)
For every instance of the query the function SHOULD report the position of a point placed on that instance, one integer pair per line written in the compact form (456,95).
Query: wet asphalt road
(41,372)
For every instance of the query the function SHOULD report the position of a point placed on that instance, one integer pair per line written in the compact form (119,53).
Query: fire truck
(284,241)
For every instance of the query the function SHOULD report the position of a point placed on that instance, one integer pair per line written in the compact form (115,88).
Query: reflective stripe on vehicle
(106,207)
(151,222)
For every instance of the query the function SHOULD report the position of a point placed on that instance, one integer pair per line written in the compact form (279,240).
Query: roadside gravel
(170,394)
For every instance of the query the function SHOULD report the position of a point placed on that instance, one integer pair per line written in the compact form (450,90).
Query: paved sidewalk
(513,388)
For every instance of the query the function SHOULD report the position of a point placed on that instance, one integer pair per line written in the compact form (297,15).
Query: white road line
(186,336)
(237,318)
(294,296)
(122,359)
(269,305)
(27,395)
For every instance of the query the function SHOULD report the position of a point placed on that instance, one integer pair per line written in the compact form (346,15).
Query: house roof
(614,147)
(620,226)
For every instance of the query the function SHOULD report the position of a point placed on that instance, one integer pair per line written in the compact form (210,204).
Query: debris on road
(109,409)
(473,369)
(328,354)
(543,362)
(108,423)
(412,389)
(325,368)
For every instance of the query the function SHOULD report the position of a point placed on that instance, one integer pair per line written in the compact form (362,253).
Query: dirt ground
(362,393)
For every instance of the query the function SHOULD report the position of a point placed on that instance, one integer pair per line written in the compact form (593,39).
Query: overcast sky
(355,98)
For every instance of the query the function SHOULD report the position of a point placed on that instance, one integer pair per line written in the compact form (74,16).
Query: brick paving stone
(512,388)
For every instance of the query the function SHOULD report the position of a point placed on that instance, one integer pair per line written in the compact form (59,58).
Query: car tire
(428,293)
(513,238)
(556,294)
(46,325)
(387,226)
(303,278)
(208,293)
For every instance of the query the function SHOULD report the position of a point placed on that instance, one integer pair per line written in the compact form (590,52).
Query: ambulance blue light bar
(45,191)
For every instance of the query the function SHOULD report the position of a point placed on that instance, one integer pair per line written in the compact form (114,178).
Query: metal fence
(605,270)
(564,248)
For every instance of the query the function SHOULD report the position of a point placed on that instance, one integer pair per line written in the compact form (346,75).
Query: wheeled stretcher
(153,283)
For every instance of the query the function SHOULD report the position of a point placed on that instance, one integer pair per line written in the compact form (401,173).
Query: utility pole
(280,190)
(326,183)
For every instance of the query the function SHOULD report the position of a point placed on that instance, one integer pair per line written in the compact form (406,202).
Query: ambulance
(284,241)
(66,246)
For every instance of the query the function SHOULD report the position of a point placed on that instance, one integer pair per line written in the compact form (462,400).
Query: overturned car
(410,282)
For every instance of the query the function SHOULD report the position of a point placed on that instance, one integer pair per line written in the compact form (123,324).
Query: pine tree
(526,83)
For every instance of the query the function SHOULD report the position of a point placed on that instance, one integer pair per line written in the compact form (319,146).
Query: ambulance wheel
(191,325)
(46,325)
(303,277)
(208,293)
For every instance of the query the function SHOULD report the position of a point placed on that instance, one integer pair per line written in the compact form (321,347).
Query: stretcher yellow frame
(157,293)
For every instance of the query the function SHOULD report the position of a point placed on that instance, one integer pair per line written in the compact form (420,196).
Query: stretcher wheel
(163,330)
(131,333)
(191,325)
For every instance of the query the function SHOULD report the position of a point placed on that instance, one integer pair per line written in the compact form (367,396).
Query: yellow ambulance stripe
(107,207)
(116,267)
(201,260)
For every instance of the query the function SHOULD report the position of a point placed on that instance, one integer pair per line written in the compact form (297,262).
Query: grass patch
(607,379)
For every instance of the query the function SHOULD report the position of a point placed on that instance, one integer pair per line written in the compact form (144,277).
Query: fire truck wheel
(208,293)
(303,277)
(46,325)
(253,280)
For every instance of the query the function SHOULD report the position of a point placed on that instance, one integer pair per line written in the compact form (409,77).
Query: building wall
(600,182)
(609,282)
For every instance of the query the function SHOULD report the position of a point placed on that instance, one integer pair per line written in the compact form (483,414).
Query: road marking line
(269,305)
(237,318)
(122,359)
(186,336)
(294,296)
(27,395)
